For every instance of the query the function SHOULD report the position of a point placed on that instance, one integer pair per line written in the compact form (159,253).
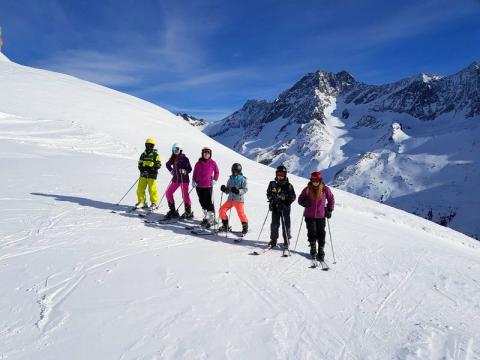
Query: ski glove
(144,174)
(182,171)
(224,189)
(194,183)
(234,190)
(328,212)
(213,182)
(305,203)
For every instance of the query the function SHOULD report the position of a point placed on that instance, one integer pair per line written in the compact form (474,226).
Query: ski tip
(254,253)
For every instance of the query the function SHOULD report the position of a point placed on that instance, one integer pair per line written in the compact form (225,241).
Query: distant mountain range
(412,144)
(192,120)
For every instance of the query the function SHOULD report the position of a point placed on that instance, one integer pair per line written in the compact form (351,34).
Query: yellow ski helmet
(150,141)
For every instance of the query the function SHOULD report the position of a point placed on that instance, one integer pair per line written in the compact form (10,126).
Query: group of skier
(316,197)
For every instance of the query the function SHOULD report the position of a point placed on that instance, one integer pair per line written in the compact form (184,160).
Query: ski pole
(131,187)
(164,193)
(331,242)
(264,221)
(182,197)
(284,230)
(212,201)
(221,199)
(300,228)
(229,218)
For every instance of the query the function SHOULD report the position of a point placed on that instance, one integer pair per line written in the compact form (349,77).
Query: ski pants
(282,217)
(205,198)
(238,205)
(152,190)
(171,190)
(316,234)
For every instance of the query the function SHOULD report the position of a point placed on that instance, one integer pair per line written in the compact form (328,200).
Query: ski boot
(172,212)
(224,227)
(272,243)
(204,222)
(188,214)
(321,255)
(244,228)
(210,221)
(140,205)
(153,207)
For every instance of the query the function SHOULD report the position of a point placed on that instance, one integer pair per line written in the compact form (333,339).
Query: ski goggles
(175,149)
(206,151)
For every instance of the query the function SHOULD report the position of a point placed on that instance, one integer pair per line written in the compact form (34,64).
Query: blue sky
(208,57)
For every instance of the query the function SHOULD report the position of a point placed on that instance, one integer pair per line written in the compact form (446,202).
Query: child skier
(318,201)
(179,166)
(236,188)
(148,165)
(280,195)
(205,175)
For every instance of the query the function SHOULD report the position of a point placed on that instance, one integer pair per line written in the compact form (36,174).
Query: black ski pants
(282,217)
(205,198)
(316,234)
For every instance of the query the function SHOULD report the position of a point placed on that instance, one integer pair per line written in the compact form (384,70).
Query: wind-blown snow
(80,282)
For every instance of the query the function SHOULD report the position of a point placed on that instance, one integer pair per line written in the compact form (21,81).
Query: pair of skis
(316,263)
(200,230)
(286,253)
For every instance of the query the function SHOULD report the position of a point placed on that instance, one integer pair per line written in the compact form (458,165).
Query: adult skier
(280,195)
(179,166)
(318,201)
(148,165)
(205,175)
(236,188)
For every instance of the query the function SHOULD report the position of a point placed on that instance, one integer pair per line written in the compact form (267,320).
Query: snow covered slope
(80,282)
(411,144)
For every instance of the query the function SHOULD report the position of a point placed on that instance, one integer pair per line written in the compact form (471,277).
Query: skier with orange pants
(236,188)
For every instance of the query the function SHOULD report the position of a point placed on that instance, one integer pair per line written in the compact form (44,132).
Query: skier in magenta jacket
(205,175)
(318,201)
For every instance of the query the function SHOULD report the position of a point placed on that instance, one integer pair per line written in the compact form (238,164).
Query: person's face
(280,175)
(206,154)
(176,150)
(316,182)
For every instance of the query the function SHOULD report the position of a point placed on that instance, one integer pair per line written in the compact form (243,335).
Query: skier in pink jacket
(205,175)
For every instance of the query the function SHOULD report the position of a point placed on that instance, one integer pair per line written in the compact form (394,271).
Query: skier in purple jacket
(205,175)
(179,166)
(318,201)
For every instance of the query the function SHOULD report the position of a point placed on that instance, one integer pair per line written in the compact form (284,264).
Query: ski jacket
(205,170)
(240,182)
(281,193)
(175,165)
(315,208)
(149,163)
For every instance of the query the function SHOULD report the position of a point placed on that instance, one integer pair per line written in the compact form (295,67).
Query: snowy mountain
(192,120)
(411,144)
(80,282)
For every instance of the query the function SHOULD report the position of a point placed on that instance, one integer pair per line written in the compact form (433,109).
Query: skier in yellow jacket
(148,165)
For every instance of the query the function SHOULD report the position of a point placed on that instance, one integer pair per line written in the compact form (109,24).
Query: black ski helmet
(282,169)
(237,168)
